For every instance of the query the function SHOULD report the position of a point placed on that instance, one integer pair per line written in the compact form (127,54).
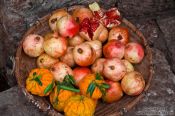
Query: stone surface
(156,19)
(13,103)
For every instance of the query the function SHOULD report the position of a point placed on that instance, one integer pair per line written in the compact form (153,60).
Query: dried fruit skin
(114,93)
(33,45)
(55,17)
(134,52)
(82,13)
(79,105)
(45,61)
(55,46)
(60,70)
(59,99)
(114,69)
(133,83)
(119,33)
(114,49)
(45,77)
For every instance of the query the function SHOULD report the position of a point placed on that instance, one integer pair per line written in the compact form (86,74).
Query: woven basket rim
(53,112)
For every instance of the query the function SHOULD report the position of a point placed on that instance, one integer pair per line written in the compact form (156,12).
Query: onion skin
(45,61)
(114,49)
(60,70)
(55,17)
(97,46)
(33,45)
(79,73)
(84,54)
(76,40)
(68,57)
(114,93)
(134,52)
(114,69)
(128,65)
(67,26)
(82,13)
(55,47)
(98,66)
(119,33)
(133,83)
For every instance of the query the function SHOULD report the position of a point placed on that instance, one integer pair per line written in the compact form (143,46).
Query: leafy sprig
(67,84)
(102,87)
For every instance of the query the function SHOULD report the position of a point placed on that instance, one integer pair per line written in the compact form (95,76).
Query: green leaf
(98,76)
(69,88)
(34,74)
(49,88)
(91,88)
(37,79)
(69,79)
(104,85)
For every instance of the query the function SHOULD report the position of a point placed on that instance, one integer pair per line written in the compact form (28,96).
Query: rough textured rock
(13,103)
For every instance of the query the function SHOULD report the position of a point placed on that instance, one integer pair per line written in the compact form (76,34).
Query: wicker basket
(24,64)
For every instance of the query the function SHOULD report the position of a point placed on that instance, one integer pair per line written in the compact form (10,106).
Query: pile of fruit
(87,56)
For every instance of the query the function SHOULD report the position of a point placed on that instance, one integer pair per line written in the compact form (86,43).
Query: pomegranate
(114,69)
(114,93)
(82,13)
(128,65)
(110,18)
(133,83)
(92,29)
(55,47)
(56,17)
(134,52)
(79,73)
(114,49)
(97,46)
(98,65)
(68,57)
(49,35)
(119,33)
(33,45)
(67,27)
(76,40)
(60,70)
(84,54)
(46,61)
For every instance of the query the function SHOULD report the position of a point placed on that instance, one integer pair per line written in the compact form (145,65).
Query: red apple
(33,45)
(67,26)
(55,47)
(114,93)
(60,70)
(84,54)
(68,57)
(133,83)
(114,49)
(114,69)
(79,73)
(98,65)
(134,52)
(119,33)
